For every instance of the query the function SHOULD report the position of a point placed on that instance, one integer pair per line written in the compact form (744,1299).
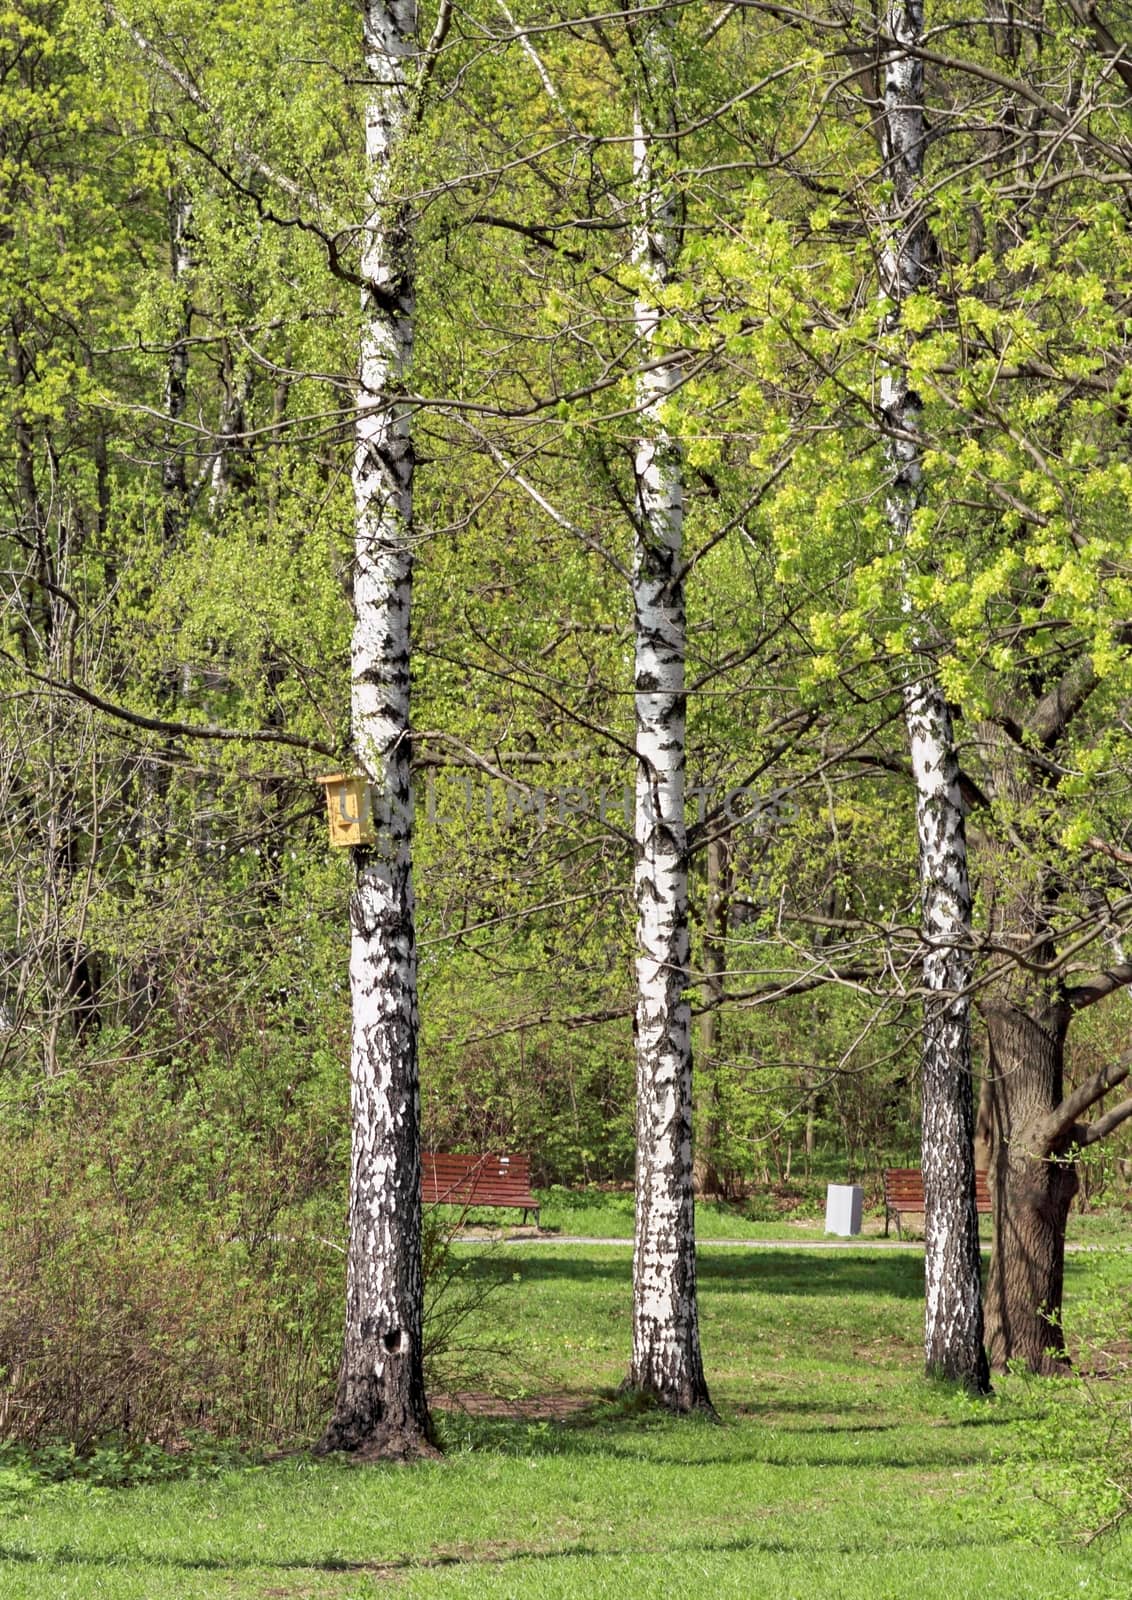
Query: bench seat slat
(477,1180)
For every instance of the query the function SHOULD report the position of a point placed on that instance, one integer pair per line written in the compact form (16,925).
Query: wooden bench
(904,1191)
(487,1180)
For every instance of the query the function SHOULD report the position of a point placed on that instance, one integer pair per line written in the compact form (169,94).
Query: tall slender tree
(381,1409)
(953,1319)
(666,1360)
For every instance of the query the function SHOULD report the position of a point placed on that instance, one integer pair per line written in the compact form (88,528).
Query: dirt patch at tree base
(551,1407)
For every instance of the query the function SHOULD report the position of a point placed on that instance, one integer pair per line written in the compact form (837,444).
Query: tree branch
(1103,848)
(1054,711)
(189,89)
(767,992)
(973,796)
(329,241)
(178,730)
(1104,1125)
(1082,995)
(433,48)
(1086,13)
(1060,1121)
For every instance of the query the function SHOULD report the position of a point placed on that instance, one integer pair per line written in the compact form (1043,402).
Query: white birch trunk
(231,465)
(174,484)
(953,1314)
(381,1408)
(666,1360)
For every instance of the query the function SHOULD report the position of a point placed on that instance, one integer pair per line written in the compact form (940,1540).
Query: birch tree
(666,1359)
(953,1320)
(1036,446)
(380,1409)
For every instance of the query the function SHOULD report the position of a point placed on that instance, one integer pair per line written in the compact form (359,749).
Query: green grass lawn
(837,1474)
(597,1214)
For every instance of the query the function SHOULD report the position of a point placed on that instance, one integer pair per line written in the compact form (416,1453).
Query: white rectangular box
(843,1206)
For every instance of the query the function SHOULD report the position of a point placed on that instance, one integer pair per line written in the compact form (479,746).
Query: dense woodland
(690,280)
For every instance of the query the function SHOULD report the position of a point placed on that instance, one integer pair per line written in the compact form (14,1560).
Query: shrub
(1069,1473)
(172,1256)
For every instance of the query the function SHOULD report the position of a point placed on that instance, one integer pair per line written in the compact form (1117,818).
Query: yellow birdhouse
(348,808)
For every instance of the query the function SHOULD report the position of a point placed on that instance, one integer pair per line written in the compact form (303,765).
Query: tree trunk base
(380,1443)
(649,1397)
(1043,1366)
(976,1382)
(1025,1284)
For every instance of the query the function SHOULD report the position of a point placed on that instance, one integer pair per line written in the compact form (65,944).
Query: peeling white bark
(666,1359)
(380,1408)
(953,1314)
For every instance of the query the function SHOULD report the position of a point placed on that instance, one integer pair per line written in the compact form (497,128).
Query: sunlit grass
(836,1472)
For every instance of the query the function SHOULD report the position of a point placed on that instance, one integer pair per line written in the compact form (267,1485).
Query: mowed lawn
(835,1474)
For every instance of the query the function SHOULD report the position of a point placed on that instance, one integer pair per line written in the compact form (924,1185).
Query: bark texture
(381,1409)
(1033,1126)
(1031,1193)
(953,1314)
(1027,1020)
(953,1318)
(666,1360)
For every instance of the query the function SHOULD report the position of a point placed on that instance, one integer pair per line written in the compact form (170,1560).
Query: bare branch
(1103,848)
(329,241)
(1100,987)
(1086,13)
(720,21)
(433,49)
(177,730)
(512,474)
(1060,1121)
(528,49)
(767,992)
(1103,1126)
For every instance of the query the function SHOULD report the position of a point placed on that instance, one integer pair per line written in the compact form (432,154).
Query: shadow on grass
(648,1440)
(495,1554)
(778,1272)
(774,1409)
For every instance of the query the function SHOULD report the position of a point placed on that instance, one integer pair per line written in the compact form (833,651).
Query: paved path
(861,1242)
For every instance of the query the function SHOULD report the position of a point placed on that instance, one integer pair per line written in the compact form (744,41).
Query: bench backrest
(904,1187)
(465,1179)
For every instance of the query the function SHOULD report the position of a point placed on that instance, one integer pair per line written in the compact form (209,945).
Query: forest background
(178,240)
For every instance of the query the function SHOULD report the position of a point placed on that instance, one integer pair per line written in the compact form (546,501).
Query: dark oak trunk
(1031,1188)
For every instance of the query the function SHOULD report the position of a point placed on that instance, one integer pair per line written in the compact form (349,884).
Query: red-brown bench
(487,1180)
(904,1191)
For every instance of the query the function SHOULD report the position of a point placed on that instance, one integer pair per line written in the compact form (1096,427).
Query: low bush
(1068,1473)
(172,1261)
